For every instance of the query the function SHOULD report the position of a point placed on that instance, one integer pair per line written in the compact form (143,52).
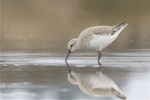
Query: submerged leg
(98,60)
(99,56)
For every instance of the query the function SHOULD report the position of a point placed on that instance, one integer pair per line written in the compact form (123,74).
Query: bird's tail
(118,94)
(119,27)
(122,24)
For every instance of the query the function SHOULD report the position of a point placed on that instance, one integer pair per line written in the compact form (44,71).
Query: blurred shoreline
(50,24)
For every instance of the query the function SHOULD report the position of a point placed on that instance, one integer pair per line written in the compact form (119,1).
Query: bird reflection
(95,84)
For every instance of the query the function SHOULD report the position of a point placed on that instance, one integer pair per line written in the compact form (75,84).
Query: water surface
(43,75)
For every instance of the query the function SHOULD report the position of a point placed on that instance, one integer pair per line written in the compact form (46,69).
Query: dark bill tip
(67,56)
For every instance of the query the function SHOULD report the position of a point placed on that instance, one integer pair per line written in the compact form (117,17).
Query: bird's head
(72,45)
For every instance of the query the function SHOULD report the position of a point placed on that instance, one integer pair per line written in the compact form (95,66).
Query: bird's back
(103,30)
(97,30)
(99,37)
(94,36)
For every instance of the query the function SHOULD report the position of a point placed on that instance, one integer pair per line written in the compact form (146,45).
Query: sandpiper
(96,37)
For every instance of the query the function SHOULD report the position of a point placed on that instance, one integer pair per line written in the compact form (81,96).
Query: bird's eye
(71,45)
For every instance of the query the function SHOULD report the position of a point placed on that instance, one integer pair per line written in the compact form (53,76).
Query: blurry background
(47,25)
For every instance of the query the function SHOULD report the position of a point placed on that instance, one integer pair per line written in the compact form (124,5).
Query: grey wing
(104,30)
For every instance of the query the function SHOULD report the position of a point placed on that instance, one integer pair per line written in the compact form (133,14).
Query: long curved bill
(67,56)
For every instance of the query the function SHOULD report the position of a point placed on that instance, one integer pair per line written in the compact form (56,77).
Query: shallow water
(38,25)
(43,75)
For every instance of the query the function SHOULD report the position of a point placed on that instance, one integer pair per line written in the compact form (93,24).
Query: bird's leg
(99,57)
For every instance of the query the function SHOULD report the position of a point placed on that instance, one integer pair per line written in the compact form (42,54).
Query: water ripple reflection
(130,58)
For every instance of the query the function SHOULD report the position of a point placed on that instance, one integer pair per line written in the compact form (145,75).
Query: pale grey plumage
(102,30)
(96,37)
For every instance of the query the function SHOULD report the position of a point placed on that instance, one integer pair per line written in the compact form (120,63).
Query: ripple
(132,58)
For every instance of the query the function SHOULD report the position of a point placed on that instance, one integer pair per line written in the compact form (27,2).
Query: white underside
(101,41)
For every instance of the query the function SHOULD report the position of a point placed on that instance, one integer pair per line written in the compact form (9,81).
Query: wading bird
(96,37)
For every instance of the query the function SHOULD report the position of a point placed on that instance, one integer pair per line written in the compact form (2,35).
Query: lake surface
(43,75)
